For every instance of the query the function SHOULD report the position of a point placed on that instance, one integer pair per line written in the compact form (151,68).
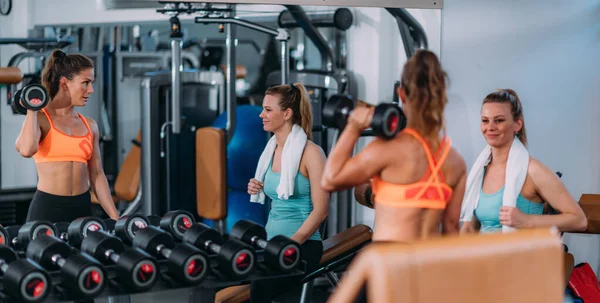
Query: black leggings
(288,289)
(54,208)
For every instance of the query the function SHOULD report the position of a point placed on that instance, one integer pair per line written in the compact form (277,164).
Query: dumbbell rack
(205,292)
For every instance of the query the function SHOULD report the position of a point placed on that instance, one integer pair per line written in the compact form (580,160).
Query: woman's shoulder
(537,169)
(313,151)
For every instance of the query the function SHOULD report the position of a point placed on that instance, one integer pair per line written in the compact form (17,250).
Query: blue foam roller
(246,145)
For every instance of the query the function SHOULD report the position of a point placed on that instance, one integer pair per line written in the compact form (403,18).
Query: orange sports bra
(59,147)
(429,192)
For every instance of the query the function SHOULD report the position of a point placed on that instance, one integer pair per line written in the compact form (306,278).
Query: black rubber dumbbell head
(16,103)
(336,111)
(34,97)
(154,220)
(244,230)
(79,228)
(235,258)
(31,230)
(22,279)
(137,269)
(4,236)
(388,119)
(81,274)
(97,243)
(177,222)
(282,253)
(127,226)
(186,263)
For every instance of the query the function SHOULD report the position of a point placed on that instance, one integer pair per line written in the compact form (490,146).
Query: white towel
(292,153)
(516,172)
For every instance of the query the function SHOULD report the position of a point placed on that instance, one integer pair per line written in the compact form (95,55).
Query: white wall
(549,52)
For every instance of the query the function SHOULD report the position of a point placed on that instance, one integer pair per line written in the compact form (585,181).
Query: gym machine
(171,166)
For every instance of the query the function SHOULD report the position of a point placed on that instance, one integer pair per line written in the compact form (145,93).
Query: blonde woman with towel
(506,187)
(289,172)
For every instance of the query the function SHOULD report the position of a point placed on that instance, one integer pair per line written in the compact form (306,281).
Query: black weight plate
(16,105)
(34,97)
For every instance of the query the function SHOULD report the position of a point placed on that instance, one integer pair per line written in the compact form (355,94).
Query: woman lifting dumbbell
(506,186)
(64,144)
(418,179)
(289,171)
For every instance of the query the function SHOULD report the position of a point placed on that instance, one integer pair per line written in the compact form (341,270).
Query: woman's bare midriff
(395,224)
(63,178)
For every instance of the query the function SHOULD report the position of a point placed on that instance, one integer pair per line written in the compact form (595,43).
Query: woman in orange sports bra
(417,178)
(64,145)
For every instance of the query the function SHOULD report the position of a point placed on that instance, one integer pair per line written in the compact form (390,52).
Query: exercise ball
(246,145)
(239,207)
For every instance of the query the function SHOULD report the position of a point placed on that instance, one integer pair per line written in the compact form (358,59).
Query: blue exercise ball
(247,144)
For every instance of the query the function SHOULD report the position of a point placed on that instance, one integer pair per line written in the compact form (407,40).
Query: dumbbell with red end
(22,279)
(388,119)
(176,222)
(135,268)
(81,275)
(126,227)
(185,263)
(31,97)
(30,231)
(281,253)
(234,258)
(77,230)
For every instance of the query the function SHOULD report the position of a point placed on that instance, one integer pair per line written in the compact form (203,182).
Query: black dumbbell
(30,231)
(185,263)
(281,252)
(82,275)
(23,279)
(176,222)
(4,236)
(134,268)
(154,220)
(78,229)
(31,97)
(388,119)
(235,258)
(126,227)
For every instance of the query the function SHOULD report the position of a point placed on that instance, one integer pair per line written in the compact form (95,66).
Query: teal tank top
(287,216)
(488,210)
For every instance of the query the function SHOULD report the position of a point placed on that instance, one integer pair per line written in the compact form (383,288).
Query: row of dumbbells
(80,253)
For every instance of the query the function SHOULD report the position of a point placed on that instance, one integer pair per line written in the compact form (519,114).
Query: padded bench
(337,250)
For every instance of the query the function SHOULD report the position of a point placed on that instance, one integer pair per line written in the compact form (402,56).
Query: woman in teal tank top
(502,120)
(302,213)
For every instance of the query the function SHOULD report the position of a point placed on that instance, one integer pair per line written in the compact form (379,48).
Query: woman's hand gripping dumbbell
(385,119)
(281,253)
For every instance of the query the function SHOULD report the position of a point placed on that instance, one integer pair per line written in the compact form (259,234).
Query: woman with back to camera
(289,171)
(509,192)
(65,144)
(418,179)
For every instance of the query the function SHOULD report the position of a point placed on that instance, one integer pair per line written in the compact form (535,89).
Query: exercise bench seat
(211,173)
(10,75)
(590,204)
(336,247)
(127,183)
(524,266)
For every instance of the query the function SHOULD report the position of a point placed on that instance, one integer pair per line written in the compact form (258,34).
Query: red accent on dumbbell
(187,222)
(193,269)
(35,101)
(393,122)
(290,255)
(38,287)
(243,261)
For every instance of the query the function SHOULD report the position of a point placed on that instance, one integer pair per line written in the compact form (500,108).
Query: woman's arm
(98,180)
(315,159)
(450,222)
(551,189)
(29,138)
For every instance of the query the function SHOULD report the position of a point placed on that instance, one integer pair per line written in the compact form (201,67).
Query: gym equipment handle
(163,250)
(58,260)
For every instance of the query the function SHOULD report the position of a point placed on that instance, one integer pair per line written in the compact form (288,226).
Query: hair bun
(59,54)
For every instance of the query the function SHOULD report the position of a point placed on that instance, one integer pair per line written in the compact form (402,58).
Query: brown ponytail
(508,95)
(295,97)
(424,84)
(60,65)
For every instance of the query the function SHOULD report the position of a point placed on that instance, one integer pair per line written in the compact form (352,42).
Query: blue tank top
(488,210)
(287,216)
